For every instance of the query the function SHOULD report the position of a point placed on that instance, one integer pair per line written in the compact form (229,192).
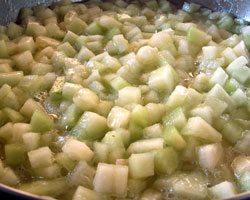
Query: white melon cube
(111,179)
(118,118)
(77,150)
(41,157)
(223,190)
(210,155)
(129,95)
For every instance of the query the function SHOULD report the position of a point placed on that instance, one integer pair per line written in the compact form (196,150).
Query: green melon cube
(176,118)
(3,50)
(94,29)
(77,26)
(197,36)
(141,165)
(90,126)
(41,122)
(15,154)
(173,138)
(166,161)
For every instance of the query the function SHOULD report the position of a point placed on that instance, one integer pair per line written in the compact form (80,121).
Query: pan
(9,10)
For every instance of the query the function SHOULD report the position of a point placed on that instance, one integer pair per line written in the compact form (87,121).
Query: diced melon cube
(41,69)
(240,165)
(104,107)
(86,99)
(69,89)
(118,118)
(177,97)
(166,161)
(229,55)
(85,193)
(165,57)
(120,43)
(109,22)
(155,112)
(111,179)
(219,77)
(197,36)
(183,48)
(70,37)
(173,138)
(58,59)
(147,145)
(243,143)
(147,55)
(210,52)
(43,42)
(141,165)
(217,106)
(9,177)
(140,116)
(182,96)
(118,83)
(13,115)
(10,79)
(232,132)
(35,29)
(31,140)
(163,41)
(242,74)
(245,181)
(223,190)
(239,62)
(176,118)
(49,172)
(192,186)
(77,26)
(4,51)
(18,130)
(94,29)
(14,30)
(14,154)
(41,122)
(26,43)
(153,131)
(129,95)
(70,116)
(241,50)
(52,188)
(218,92)
(90,126)
(77,150)
(210,155)
(67,49)
(163,79)
(190,7)
(238,70)
(24,60)
(190,152)
(29,108)
(65,161)
(101,151)
(240,97)
(198,127)
(114,140)
(130,60)
(85,54)
(41,157)
(83,174)
(204,112)
(111,63)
